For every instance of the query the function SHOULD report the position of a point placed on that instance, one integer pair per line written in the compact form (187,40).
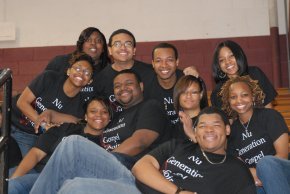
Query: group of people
(117,125)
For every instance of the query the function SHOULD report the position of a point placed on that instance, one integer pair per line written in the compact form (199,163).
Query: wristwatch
(179,189)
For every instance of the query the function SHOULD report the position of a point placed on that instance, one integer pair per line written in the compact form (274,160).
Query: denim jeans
(275,175)
(22,184)
(78,157)
(24,140)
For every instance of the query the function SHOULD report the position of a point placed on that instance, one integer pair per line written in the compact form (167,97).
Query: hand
(187,192)
(191,70)
(45,117)
(258,182)
(187,125)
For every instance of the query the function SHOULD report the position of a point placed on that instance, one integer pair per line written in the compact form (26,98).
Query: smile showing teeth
(79,78)
(240,106)
(230,67)
(164,71)
(98,121)
(210,137)
(93,49)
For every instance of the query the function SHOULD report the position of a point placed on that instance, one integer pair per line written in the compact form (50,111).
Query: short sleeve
(152,116)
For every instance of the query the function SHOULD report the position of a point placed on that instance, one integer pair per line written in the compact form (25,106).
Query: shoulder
(255,72)
(264,112)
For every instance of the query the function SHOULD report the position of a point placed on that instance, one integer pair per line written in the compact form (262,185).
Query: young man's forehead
(210,118)
(125,76)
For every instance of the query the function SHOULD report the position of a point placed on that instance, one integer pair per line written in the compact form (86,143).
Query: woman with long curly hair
(259,136)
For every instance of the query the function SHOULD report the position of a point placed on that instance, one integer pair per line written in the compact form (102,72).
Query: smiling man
(140,127)
(122,49)
(187,167)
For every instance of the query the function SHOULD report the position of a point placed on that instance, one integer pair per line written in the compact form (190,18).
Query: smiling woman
(98,115)
(53,93)
(259,135)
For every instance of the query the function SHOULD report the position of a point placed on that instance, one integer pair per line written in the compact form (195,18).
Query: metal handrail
(6,82)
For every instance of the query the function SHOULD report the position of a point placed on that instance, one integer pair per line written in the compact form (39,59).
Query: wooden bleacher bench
(282,104)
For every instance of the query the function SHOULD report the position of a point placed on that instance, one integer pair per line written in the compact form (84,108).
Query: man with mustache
(140,127)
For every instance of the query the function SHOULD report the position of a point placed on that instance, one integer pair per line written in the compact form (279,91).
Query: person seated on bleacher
(187,167)
(98,115)
(50,92)
(140,127)
(190,97)
(259,135)
(229,60)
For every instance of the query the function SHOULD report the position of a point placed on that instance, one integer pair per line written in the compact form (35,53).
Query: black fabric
(145,115)
(164,96)
(48,90)
(61,64)
(104,82)
(256,74)
(183,164)
(266,125)
(48,141)
(14,153)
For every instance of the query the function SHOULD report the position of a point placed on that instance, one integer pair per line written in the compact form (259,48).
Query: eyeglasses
(86,72)
(191,93)
(119,44)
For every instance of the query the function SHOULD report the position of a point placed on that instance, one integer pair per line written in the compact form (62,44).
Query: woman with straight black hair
(229,60)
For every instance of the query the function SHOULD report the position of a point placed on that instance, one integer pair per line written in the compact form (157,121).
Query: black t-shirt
(48,141)
(145,115)
(256,74)
(164,96)
(61,64)
(104,82)
(48,90)
(266,126)
(183,164)
(179,133)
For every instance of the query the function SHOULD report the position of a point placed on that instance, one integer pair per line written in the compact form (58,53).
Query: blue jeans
(22,184)
(78,157)
(275,175)
(24,140)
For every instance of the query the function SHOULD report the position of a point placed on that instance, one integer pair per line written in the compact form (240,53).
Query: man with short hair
(140,127)
(122,49)
(165,60)
(187,167)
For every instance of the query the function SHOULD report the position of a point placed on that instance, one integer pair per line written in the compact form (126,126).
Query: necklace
(248,123)
(223,160)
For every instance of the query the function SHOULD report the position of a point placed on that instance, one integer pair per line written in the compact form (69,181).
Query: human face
(190,98)
(97,116)
(227,62)
(165,63)
(80,73)
(122,53)
(93,46)
(241,99)
(127,90)
(211,133)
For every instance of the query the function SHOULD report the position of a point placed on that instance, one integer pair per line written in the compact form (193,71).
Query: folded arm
(138,142)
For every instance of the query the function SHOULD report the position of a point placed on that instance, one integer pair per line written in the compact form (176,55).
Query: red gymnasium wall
(26,63)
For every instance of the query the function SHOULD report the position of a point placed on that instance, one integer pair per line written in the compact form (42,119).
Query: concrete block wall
(26,63)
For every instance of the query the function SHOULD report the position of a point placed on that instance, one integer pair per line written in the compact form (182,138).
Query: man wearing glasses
(122,48)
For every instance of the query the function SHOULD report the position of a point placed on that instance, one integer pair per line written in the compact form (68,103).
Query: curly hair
(256,91)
